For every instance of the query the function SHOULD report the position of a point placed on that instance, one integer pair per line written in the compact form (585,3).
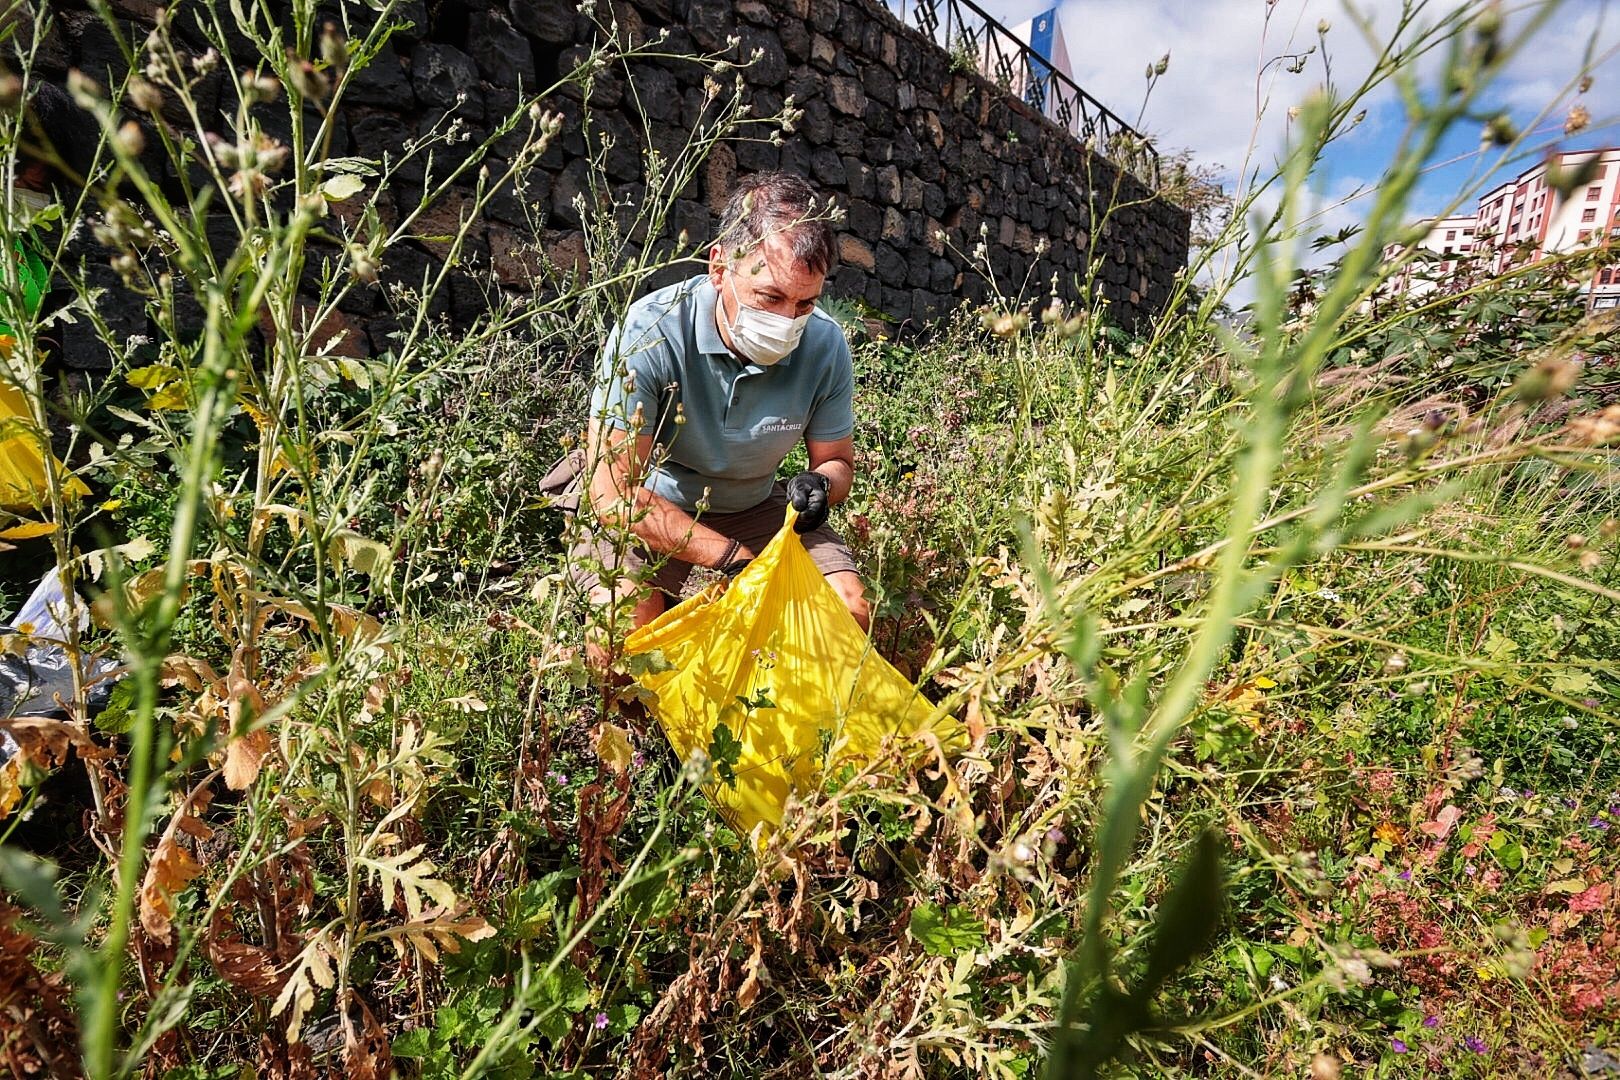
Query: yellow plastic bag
(779,661)
(23,484)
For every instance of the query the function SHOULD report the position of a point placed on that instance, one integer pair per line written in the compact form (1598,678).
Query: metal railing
(971,36)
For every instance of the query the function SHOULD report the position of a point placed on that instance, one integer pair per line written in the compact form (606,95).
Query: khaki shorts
(752,528)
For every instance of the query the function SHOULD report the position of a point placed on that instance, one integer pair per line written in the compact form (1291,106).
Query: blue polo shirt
(738,420)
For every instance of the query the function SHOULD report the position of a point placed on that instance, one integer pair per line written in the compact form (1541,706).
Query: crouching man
(701,392)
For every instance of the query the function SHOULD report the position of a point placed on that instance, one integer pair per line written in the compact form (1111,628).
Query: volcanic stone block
(795,38)
(824,14)
(502,54)
(864,218)
(816,123)
(445,78)
(855,252)
(827,167)
(569,188)
(823,53)
(756,155)
(917,267)
(879,121)
(880,85)
(710,22)
(762,52)
(888,185)
(849,137)
(890,265)
(794,157)
(896,303)
(859,179)
(895,228)
(850,282)
(846,95)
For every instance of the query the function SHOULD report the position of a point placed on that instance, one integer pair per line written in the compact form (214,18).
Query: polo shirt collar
(707,331)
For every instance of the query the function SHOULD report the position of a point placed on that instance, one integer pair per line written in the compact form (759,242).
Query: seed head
(143,95)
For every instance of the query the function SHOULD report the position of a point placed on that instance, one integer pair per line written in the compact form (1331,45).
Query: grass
(1287,655)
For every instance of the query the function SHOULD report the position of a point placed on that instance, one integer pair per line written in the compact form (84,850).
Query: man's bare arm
(619,500)
(836,461)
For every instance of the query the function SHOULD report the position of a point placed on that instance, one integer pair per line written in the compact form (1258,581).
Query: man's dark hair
(68,129)
(779,202)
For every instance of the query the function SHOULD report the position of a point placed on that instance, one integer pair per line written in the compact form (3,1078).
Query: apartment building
(1526,219)
(1451,238)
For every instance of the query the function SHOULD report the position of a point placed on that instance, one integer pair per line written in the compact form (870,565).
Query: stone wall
(915,150)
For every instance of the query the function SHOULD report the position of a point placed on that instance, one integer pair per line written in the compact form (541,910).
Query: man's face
(767,277)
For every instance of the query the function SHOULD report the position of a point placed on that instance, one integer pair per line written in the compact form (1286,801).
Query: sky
(1208,99)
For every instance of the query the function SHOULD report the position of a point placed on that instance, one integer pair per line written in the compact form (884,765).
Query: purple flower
(1431,1021)
(558,778)
(1475,1043)
(1397,1046)
(1469,870)
(601,1021)
(1405,875)
(1599,823)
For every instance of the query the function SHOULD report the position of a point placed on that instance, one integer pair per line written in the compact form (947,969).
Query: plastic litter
(35,682)
(23,483)
(778,660)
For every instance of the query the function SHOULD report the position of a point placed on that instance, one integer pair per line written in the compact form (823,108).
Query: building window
(1589,215)
(1451,234)
(1593,192)
(1605,277)
(1603,170)
(1586,234)
(1468,232)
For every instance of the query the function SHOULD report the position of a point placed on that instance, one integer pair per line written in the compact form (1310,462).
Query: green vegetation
(1288,654)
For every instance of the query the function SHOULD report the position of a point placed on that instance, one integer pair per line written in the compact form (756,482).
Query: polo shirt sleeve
(833,416)
(633,369)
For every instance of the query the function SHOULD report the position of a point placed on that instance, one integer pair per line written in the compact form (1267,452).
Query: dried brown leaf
(187,671)
(171,867)
(243,758)
(366,1054)
(438,930)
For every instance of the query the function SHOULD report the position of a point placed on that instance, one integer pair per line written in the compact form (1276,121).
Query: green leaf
(651,662)
(115,719)
(725,751)
(1187,918)
(153,376)
(621,1018)
(342,187)
(415,1043)
(948,932)
(562,994)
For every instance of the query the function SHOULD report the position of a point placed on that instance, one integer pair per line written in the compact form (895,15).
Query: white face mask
(762,336)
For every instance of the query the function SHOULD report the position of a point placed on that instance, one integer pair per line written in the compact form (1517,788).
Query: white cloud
(1226,93)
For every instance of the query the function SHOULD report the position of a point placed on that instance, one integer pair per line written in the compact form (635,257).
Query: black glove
(807,492)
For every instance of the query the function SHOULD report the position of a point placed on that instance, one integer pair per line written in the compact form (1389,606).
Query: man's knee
(849,587)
